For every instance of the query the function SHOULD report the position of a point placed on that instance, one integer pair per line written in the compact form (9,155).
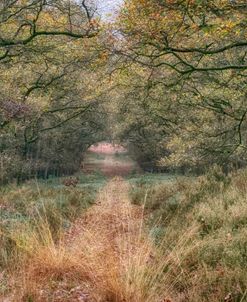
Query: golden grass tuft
(189,245)
(107,255)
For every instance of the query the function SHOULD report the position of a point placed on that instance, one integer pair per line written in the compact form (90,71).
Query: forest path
(110,160)
(107,254)
(109,238)
(115,250)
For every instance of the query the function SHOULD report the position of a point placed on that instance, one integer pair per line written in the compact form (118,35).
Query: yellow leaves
(104,56)
(49,21)
(187,21)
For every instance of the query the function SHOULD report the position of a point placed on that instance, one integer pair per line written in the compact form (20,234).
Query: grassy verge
(193,246)
(34,217)
(200,228)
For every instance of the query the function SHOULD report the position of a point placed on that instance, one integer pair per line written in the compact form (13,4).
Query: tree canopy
(186,63)
(167,78)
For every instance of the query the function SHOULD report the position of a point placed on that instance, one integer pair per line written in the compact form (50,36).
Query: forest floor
(103,255)
(121,235)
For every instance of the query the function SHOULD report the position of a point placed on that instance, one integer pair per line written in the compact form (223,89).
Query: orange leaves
(141,18)
(95,24)
(104,55)
(185,23)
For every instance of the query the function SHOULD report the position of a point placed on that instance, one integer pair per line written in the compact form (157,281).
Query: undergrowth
(35,216)
(181,240)
(211,264)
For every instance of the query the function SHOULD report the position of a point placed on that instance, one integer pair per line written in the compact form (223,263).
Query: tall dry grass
(108,255)
(186,241)
(210,213)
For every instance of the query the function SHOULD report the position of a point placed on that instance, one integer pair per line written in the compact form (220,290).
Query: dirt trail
(115,249)
(109,239)
(106,256)
(110,160)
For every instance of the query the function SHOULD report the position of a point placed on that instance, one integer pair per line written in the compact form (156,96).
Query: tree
(192,57)
(49,99)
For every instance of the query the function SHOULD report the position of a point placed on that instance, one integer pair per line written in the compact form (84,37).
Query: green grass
(96,179)
(151,178)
